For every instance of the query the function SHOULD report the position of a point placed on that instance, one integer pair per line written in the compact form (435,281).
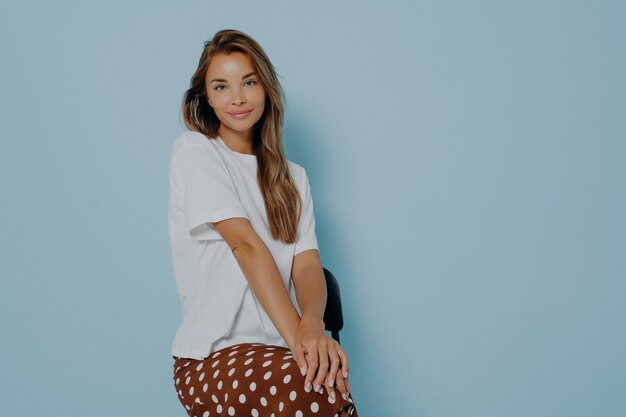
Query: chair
(333,315)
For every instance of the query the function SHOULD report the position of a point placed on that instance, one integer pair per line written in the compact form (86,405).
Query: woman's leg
(251,379)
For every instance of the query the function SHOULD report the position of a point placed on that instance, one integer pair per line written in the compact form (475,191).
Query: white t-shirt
(209,182)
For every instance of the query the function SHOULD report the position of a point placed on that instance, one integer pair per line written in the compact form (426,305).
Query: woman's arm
(259,267)
(310,285)
(324,354)
(303,336)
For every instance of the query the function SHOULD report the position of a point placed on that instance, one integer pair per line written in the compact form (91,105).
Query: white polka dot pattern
(255,380)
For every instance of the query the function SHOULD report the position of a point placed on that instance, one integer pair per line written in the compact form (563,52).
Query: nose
(239,98)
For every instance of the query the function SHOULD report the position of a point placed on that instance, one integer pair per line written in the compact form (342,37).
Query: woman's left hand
(318,356)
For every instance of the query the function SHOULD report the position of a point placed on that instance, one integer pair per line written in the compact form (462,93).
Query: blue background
(467,167)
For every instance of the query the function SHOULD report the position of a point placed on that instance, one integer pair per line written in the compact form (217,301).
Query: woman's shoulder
(192,138)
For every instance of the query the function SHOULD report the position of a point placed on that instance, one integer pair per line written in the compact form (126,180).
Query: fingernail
(303,371)
(317,388)
(307,387)
(332,395)
(345,397)
(332,382)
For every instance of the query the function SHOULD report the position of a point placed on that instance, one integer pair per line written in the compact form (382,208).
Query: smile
(240,115)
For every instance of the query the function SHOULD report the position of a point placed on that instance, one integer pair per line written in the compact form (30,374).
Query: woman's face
(233,87)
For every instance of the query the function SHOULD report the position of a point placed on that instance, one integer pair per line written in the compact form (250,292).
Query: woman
(245,253)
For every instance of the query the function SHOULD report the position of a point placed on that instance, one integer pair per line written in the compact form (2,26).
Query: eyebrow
(214,80)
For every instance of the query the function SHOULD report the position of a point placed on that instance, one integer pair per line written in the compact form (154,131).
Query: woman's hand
(321,359)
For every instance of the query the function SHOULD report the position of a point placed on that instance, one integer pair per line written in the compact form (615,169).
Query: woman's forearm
(310,286)
(259,267)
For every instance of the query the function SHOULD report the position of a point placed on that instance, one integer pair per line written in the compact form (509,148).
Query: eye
(217,87)
(251,81)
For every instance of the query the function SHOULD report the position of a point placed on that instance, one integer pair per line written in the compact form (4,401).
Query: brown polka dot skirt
(251,379)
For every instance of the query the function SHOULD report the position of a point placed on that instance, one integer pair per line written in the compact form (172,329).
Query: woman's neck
(237,141)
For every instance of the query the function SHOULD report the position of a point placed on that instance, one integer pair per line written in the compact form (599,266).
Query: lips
(239,113)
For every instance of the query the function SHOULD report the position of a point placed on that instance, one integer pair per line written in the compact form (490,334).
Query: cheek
(258,94)
(218,101)
(260,99)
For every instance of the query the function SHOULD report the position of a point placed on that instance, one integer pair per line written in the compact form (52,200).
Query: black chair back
(333,315)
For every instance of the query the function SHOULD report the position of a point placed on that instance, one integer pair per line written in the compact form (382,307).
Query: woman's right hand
(340,383)
(320,358)
(327,373)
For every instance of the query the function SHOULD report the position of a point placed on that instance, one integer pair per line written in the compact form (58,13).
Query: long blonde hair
(282,200)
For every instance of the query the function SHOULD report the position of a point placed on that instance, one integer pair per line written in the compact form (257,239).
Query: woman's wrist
(312,320)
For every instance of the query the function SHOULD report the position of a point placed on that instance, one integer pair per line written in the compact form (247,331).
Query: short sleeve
(207,190)
(307,238)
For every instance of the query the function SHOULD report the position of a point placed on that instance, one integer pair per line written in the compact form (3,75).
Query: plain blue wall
(467,169)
